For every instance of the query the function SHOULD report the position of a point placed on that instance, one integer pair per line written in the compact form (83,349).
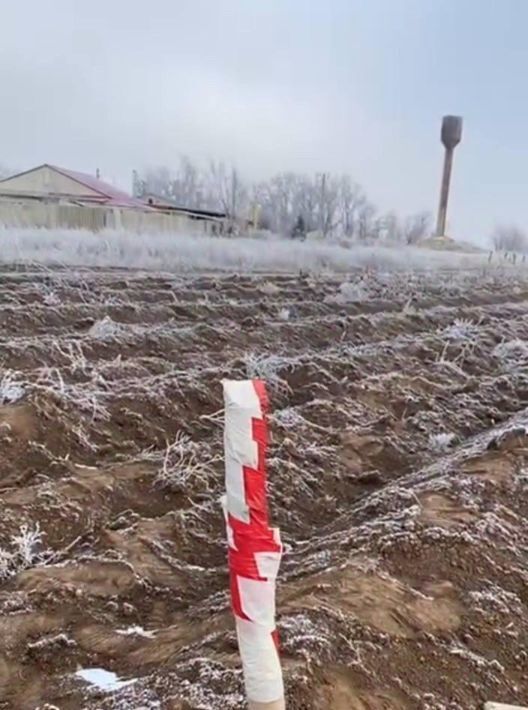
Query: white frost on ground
(105,329)
(513,354)
(11,390)
(103,680)
(136,631)
(441,442)
(348,293)
(180,252)
(461,329)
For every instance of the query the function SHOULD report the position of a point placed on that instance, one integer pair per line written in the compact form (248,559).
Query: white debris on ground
(136,631)
(102,679)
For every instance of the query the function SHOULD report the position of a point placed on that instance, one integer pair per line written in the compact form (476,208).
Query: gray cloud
(349,85)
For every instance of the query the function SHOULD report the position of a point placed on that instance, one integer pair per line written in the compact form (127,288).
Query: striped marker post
(254,549)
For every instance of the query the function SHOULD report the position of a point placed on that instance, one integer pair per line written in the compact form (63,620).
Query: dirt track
(398,477)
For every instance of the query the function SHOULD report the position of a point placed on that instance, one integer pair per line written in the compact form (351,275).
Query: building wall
(27,214)
(45,180)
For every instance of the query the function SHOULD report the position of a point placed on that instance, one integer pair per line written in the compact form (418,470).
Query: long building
(54,197)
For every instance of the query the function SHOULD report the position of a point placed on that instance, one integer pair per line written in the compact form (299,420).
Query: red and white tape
(255,549)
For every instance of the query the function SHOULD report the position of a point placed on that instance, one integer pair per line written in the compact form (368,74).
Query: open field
(398,469)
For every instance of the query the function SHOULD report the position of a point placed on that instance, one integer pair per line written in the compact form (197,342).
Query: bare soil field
(398,475)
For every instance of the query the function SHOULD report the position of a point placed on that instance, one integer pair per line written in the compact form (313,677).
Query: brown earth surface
(398,475)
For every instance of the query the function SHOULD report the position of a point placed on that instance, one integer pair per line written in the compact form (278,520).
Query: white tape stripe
(242,405)
(268,564)
(257,601)
(262,670)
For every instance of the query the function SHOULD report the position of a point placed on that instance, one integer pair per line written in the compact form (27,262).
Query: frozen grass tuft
(11,389)
(348,293)
(267,368)
(181,252)
(105,330)
(24,551)
(512,353)
(440,443)
(182,469)
(268,288)
(461,329)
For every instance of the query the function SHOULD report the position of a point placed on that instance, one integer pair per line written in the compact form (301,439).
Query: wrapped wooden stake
(254,549)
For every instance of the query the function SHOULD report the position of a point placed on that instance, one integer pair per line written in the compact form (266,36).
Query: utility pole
(451,137)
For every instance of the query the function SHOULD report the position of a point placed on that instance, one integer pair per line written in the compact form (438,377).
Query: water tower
(451,137)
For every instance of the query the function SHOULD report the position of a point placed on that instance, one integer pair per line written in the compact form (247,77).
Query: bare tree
(351,200)
(333,205)
(509,238)
(187,187)
(366,222)
(328,189)
(417,227)
(227,191)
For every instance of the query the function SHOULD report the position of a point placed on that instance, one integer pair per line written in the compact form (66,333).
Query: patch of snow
(103,680)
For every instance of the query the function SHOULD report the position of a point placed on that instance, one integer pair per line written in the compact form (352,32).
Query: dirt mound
(398,470)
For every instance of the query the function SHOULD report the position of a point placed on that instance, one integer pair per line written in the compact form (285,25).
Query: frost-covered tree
(509,238)
(330,205)
(417,227)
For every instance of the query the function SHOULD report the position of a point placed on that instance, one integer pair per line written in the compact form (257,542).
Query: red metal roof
(110,195)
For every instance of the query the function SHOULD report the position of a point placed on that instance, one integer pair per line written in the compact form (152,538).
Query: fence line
(95,218)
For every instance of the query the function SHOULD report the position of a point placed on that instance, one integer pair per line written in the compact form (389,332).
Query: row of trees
(510,238)
(332,205)
(329,204)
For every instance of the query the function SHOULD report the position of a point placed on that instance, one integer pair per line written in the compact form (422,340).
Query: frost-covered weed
(182,467)
(288,417)
(106,329)
(11,388)
(268,288)
(23,551)
(300,633)
(513,354)
(461,329)
(73,353)
(167,253)
(440,443)
(348,293)
(267,368)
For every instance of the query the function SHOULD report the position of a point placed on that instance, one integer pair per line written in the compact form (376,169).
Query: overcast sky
(356,86)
